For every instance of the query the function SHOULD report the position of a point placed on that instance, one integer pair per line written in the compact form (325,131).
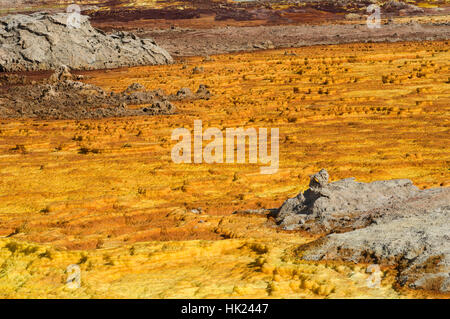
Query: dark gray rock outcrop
(63,96)
(41,41)
(69,99)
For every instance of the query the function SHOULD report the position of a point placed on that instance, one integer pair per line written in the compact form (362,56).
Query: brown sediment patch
(131,19)
(11,79)
(63,96)
(213,14)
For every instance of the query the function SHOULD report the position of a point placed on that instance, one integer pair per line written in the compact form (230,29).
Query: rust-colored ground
(372,111)
(206,14)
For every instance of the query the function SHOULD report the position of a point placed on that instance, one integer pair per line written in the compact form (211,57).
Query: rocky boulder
(383,222)
(341,205)
(41,41)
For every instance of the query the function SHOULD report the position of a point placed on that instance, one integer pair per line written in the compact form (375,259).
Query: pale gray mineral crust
(384,222)
(342,205)
(41,41)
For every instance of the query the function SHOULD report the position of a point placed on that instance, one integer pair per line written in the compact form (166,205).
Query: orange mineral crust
(106,195)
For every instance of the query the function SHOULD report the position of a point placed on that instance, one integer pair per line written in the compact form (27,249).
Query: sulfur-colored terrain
(106,195)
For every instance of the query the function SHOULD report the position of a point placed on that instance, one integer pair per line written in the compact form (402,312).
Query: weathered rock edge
(384,222)
(41,41)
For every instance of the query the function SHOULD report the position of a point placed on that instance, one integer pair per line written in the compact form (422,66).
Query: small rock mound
(62,74)
(41,41)
(62,97)
(186,94)
(395,6)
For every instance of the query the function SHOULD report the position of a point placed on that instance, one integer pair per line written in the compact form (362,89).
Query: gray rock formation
(342,205)
(418,243)
(384,222)
(186,94)
(41,41)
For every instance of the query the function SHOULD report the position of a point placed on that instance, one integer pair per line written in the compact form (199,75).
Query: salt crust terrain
(105,194)
(99,189)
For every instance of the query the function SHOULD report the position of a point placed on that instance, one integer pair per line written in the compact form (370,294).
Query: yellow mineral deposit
(140,226)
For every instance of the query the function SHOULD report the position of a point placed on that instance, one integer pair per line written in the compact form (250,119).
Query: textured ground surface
(185,42)
(130,216)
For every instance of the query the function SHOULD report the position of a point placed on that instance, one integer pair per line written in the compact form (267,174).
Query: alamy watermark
(73,276)
(214,150)
(74,16)
(374,19)
(374,280)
